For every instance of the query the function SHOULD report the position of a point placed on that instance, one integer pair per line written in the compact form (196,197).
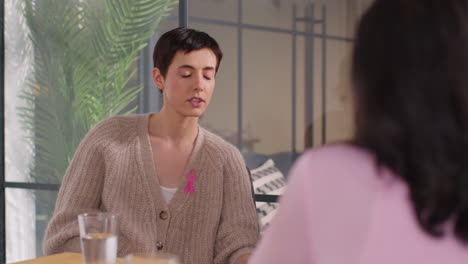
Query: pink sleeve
(287,240)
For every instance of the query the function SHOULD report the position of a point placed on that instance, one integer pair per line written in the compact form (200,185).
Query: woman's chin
(196,113)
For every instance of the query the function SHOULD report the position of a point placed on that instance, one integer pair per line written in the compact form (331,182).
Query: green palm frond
(85,53)
(128,26)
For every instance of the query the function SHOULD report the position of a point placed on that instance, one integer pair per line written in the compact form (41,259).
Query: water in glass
(99,248)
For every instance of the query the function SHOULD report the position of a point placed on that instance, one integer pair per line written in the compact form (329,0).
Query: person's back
(398,192)
(340,207)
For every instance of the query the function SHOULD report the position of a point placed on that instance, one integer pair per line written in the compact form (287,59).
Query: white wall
(20,206)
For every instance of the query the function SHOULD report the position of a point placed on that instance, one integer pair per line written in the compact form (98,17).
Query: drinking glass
(98,236)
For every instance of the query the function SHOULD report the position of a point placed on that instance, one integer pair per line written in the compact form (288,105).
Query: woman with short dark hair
(176,187)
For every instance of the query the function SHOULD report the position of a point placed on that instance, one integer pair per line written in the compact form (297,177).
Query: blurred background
(283,86)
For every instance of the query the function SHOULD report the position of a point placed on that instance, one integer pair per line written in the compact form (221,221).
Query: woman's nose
(199,83)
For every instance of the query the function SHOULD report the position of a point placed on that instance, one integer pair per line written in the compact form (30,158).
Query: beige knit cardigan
(113,171)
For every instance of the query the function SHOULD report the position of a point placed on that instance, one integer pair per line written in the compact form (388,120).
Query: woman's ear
(158,79)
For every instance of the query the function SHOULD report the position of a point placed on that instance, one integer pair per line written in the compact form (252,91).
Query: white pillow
(267,179)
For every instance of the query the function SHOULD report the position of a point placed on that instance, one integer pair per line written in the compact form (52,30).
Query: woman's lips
(196,101)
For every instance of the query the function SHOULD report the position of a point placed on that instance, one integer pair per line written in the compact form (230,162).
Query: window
(67,66)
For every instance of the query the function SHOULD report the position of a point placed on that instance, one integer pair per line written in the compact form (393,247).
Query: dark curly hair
(410,78)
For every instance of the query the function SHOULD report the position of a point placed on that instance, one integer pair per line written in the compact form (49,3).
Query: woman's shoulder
(118,127)
(335,164)
(343,151)
(116,122)
(347,156)
(216,144)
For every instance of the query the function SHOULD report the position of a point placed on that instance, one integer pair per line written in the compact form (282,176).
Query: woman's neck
(173,127)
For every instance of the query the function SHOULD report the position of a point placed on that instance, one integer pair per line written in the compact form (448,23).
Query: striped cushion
(267,179)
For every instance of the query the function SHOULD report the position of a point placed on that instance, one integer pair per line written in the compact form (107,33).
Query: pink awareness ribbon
(192,176)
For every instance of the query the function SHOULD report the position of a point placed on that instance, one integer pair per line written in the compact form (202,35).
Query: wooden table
(62,258)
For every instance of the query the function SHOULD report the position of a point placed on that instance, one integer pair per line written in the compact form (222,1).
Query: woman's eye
(185,75)
(207,77)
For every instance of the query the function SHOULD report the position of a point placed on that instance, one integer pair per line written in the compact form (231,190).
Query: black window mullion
(2,138)
(32,186)
(183,13)
(268,198)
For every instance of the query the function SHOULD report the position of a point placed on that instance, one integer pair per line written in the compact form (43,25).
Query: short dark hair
(410,78)
(182,39)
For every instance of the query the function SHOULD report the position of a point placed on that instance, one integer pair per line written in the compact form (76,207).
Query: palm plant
(84,57)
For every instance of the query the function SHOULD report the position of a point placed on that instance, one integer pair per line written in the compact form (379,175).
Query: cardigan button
(163,215)
(159,245)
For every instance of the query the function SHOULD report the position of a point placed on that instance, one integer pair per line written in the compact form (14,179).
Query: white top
(168,193)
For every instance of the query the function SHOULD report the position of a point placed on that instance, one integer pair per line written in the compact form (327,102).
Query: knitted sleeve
(80,192)
(238,230)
